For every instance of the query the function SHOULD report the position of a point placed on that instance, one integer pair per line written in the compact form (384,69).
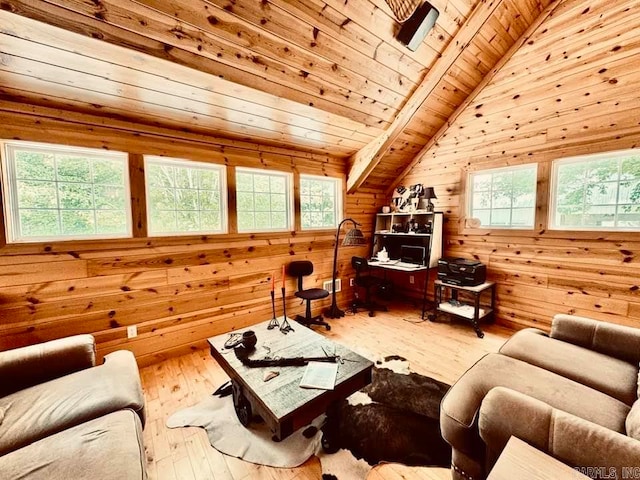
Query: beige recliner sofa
(572,393)
(63,417)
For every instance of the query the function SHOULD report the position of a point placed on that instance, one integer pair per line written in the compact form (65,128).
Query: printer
(460,271)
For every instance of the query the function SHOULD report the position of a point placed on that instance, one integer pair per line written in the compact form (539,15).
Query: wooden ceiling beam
(367,158)
(546,13)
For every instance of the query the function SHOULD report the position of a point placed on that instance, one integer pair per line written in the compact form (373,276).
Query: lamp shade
(354,237)
(429,193)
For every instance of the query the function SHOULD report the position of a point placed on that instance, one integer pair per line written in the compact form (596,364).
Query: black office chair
(368,282)
(303,268)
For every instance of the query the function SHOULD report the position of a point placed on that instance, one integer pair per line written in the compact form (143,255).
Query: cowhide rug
(394,419)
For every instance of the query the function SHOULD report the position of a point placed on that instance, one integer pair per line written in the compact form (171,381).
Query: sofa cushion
(606,374)
(45,409)
(632,423)
(459,409)
(617,341)
(27,366)
(106,448)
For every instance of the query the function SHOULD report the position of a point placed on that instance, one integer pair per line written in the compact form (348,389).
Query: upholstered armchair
(572,393)
(63,416)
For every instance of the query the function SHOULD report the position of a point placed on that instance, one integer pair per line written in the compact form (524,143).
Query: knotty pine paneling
(480,54)
(572,89)
(177,290)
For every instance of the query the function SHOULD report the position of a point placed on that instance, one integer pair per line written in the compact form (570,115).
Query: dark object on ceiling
(417,26)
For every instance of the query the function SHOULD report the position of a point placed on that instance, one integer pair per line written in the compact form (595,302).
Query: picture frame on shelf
(406,199)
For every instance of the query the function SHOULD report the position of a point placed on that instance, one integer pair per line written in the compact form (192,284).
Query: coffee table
(281,402)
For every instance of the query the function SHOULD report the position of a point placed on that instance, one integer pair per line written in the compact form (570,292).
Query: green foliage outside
(505,198)
(183,199)
(261,201)
(599,193)
(318,203)
(63,195)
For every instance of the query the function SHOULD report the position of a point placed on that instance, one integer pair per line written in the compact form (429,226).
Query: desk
(391,265)
(521,461)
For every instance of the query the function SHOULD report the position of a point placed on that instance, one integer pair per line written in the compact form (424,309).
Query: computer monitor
(412,254)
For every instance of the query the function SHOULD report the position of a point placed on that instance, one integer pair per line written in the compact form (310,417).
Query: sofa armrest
(27,366)
(572,440)
(614,340)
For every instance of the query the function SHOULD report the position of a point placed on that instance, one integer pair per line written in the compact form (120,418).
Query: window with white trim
(320,202)
(503,197)
(263,200)
(57,192)
(185,197)
(596,192)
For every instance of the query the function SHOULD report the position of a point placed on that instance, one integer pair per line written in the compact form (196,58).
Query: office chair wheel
(371,314)
(327,327)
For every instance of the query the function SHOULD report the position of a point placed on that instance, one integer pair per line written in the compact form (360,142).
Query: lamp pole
(334,311)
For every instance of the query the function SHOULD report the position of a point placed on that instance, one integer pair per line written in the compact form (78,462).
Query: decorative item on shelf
(396,199)
(353,237)
(386,209)
(425,200)
(406,199)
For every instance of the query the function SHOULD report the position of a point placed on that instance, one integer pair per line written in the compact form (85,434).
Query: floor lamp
(353,237)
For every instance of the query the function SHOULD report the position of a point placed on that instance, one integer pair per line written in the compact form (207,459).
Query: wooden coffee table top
(282,397)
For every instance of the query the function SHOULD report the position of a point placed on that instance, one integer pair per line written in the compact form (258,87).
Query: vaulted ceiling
(319,76)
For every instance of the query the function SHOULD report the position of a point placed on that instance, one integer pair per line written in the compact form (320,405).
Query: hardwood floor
(439,349)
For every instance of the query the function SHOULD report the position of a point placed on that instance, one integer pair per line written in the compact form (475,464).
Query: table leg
(424,291)
(476,315)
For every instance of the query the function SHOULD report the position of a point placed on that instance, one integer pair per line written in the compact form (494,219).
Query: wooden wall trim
(137,184)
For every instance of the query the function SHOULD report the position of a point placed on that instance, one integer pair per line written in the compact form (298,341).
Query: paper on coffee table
(321,375)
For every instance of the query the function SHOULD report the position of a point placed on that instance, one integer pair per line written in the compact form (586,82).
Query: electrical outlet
(352,282)
(132,331)
(412,279)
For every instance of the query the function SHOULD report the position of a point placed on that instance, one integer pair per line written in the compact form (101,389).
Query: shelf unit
(419,228)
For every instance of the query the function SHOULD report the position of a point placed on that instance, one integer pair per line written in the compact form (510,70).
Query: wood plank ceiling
(318,76)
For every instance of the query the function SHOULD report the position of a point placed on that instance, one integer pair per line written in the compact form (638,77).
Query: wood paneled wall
(571,89)
(177,290)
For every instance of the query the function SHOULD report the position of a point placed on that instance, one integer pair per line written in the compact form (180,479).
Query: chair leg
(308,320)
(373,306)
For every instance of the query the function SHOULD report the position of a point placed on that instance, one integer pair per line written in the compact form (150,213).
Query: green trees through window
(504,197)
(65,192)
(263,200)
(184,197)
(319,201)
(597,192)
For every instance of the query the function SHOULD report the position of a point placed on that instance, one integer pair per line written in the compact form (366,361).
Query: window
(504,197)
(596,192)
(263,200)
(64,193)
(320,202)
(185,196)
